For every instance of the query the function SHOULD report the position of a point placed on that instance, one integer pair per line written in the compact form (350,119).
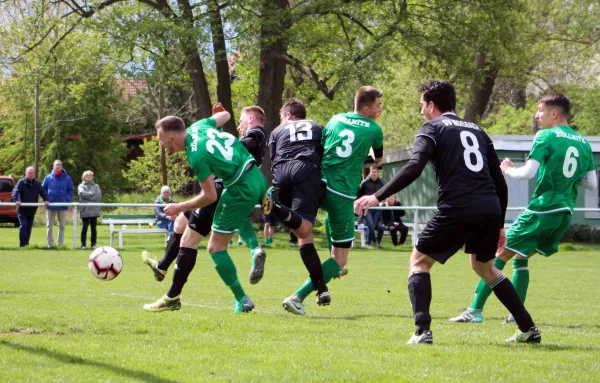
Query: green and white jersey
(346,140)
(212,151)
(565,157)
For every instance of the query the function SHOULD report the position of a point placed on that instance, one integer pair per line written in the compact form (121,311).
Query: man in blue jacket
(27,190)
(59,187)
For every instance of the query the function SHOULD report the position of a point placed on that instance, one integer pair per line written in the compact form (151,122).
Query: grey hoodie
(89,192)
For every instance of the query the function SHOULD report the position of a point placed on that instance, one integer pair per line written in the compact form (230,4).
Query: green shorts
(537,232)
(340,216)
(238,201)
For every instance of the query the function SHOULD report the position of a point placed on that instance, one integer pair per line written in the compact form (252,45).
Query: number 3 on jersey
(471,148)
(345,150)
(224,148)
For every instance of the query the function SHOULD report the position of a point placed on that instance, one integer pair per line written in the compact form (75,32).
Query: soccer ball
(105,263)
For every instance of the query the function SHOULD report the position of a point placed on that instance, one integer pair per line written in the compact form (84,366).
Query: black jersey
(297,140)
(459,151)
(255,140)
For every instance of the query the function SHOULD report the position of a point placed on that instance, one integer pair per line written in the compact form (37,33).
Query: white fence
(415,223)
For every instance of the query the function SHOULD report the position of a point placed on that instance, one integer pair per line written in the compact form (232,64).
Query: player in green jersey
(209,152)
(563,161)
(346,139)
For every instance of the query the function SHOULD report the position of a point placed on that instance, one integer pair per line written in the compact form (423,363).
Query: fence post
(415,235)
(75,227)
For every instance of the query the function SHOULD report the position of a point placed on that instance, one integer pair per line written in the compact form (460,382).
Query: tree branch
(310,73)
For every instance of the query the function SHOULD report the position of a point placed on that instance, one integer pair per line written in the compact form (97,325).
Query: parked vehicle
(7,213)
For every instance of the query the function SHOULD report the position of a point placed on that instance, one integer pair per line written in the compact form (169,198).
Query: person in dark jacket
(27,190)
(392,222)
(89,192)
(368,187)
(59,187)
(164,221)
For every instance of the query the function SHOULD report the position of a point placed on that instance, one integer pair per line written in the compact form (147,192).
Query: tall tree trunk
(271,74)
(222,65)
(163,156)
(202,104)
(518,97)
(37,130)
(481,87)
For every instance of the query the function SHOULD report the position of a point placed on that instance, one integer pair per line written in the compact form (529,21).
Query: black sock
(186,260)
(290,218)
(419,289)
(311,260)
(170,252)
(506,293)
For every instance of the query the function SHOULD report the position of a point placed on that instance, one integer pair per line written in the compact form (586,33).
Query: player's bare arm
(205,198)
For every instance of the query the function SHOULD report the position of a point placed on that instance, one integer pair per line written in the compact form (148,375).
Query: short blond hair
(258,112)
(86,173)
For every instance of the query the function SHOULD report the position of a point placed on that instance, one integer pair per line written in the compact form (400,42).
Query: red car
(7,213)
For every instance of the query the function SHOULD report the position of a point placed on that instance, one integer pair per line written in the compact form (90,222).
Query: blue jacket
(28,191)
(59,189)
(158,211)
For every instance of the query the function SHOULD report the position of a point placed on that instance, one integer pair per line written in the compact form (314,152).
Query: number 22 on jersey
(224,147)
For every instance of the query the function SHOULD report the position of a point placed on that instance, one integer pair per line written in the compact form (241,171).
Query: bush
(582,234)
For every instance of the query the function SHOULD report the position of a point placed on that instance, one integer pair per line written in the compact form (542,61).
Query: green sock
(520,277)
(330,269)
(482,291)
(246,231)
(228,273)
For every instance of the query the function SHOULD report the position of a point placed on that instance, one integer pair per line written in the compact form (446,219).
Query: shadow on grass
(550,347)
(570,326)
(71,359)
(361,316)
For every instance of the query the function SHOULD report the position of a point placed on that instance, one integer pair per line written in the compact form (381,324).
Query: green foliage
(144,172)
(509,120)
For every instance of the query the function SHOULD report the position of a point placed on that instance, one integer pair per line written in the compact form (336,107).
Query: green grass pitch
(59,324)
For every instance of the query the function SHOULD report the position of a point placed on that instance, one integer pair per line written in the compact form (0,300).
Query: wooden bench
(130,219)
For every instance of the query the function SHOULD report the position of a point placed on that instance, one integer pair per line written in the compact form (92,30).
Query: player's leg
(258,254)
(340,218)
(522,240)
(186,260)
(235,205)
(160,268)
(419,291)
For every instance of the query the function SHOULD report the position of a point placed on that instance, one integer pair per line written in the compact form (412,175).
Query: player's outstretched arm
(590,181)
(525,172)
(207,197)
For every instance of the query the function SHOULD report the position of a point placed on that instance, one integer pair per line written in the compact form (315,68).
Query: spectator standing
(392,222)
(59,187)
(368,187)
(27,190)
(164,221)
(89,191)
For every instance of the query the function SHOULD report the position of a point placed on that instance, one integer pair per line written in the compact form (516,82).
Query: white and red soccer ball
(105,263)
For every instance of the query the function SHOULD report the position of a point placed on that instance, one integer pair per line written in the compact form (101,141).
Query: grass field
(58,323)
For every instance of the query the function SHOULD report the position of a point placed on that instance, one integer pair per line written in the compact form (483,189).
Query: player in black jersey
(296,152)
(199,220)
(254,136)
(472,200)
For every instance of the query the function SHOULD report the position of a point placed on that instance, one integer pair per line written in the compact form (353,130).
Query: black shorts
(298,186)
(200,220)
(443,236)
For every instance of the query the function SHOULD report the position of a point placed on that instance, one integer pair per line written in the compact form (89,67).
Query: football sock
(330,269)
(186,260)
(505,292)
(311,260)
(268,241)
(228,273)
(482,291)
(290,218)
(520,277)
(171,252)
(419,290)
(247,233)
